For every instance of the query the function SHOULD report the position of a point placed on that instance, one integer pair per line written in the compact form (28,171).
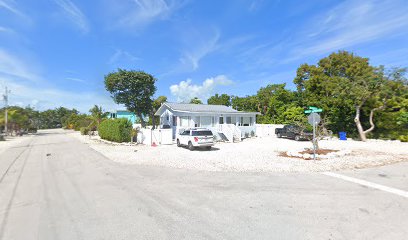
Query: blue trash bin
(343,136)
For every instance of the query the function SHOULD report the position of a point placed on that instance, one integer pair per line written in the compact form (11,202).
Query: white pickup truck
(196,137)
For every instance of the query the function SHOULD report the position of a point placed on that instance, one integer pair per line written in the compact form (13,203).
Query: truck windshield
(201,133)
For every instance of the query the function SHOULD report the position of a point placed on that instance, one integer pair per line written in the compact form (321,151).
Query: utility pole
(5,96)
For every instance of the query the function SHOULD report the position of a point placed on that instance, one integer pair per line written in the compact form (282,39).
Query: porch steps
(223,137)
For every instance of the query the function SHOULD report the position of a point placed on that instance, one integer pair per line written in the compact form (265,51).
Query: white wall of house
(179,121)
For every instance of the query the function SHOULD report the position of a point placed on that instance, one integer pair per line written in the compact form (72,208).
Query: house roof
(200,108)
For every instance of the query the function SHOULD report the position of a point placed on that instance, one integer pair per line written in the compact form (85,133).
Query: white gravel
(255,155)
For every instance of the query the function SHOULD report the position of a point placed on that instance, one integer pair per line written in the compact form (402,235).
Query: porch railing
(231,131)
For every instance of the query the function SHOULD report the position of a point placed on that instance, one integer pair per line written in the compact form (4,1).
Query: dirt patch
(319,151)
(285,154)
(309,152)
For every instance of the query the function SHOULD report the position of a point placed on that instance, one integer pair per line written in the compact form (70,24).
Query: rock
(307,156)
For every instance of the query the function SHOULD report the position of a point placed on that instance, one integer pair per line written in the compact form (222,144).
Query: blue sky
(56,52)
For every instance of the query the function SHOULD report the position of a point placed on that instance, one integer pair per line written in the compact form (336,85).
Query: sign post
(314,119)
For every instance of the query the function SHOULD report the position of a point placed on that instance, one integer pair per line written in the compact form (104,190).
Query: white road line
(368,184)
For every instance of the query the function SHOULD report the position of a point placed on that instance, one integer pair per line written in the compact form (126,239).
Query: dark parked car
(293,132)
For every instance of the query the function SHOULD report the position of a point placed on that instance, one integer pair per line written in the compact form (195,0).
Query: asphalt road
(54,187)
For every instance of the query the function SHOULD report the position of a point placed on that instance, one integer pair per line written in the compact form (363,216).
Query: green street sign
(312,108)
(315,110)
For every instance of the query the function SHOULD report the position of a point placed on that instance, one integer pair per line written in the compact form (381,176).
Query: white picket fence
(154,137)
(264,130)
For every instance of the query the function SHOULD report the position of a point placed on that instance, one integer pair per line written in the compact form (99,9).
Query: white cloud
(139,13)
(121,55)
(351,23)
(43,97)
(198,48)
(13,66)
(255,5)
(347,25)
(6,30)
(29,88)
(10,6)
(74,14)
(185,90)
(75,79)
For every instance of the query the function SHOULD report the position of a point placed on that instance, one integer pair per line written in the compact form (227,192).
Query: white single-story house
(225,122)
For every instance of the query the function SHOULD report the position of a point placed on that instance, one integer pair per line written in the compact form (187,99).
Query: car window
(202,133)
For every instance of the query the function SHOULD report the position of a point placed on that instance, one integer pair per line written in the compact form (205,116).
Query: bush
(85,122)
(403,138)
(84,130)
(32,130)
(116,130)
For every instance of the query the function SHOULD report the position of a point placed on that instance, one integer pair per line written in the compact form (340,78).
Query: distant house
(126,114)
(225,122)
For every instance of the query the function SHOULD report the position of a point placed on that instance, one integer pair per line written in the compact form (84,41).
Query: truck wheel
(297,138)
(279,135)
(178,143)
(190,146)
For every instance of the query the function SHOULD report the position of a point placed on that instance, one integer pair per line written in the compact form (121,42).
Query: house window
(184,121)
(246,121)
(206,121)
(197,122)
(174,120)
(228,120)
(234,120)
(221,120)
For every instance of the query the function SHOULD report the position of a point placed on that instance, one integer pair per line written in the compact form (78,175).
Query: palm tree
(97,115)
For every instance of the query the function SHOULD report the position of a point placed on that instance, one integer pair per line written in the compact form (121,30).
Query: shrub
(116,130)
(84,130)
(32,130)
(403,138)
(84,122)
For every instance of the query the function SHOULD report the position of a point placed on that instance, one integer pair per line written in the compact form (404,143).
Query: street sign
(313,110)
(313,119)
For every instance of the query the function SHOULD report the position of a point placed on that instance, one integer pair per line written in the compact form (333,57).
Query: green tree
(392,121)
(155,106)
(17,120)
(196,100)
(273,101)
(223,99)
(247,103)
(134,89)
(342,84)
(97,115)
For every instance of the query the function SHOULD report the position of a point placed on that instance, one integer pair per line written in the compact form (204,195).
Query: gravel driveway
(255,155)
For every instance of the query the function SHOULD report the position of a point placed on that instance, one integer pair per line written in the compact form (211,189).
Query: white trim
(194,112)
(368,184)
